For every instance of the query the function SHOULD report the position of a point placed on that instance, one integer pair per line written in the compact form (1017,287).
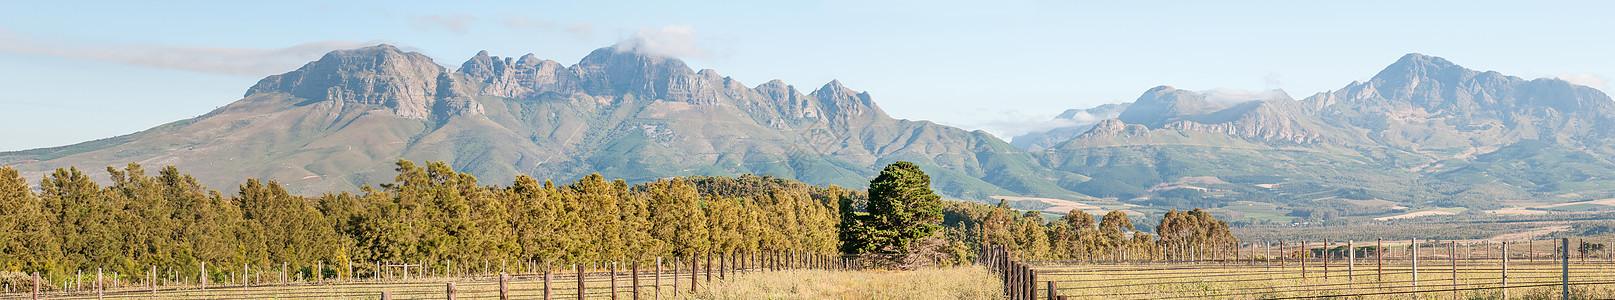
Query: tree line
(1079,235)
(429,214)
(433,215)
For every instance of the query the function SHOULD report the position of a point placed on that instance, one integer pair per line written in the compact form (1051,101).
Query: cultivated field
(1444,270)
(1244,280)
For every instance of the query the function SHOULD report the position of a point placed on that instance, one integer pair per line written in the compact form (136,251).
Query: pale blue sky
(82,70)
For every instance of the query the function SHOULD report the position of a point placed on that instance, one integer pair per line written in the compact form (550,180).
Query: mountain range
(338,123)
(1424,132)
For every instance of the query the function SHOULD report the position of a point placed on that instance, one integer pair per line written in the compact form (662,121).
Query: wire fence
(1300,270)
(657,279)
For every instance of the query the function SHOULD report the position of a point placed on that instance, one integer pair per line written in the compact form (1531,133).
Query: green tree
(300,233)
(902,209)
(26,240)
(1111,234)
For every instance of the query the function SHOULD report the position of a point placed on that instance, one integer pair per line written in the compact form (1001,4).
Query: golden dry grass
(970,282)
(947,283)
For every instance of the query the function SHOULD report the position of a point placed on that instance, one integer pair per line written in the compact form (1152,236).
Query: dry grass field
(971,282)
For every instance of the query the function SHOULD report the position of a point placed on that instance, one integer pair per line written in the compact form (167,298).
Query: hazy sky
(74,71)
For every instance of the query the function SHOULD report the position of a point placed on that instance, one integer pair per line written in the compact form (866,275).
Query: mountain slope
(339,122)
(1422,132)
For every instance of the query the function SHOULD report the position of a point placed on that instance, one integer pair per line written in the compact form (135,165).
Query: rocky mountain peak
(408,82)
(777,90)
(615,70)
(1414,68)
(838,101)
(526,77)
(1163,103)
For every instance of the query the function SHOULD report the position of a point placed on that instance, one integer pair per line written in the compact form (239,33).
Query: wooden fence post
(677,260)
(504,286)
(386,295)
(1564,266)
(1053,292)
(548,293)
(1031,282)
(1003,267)
(709,267)
(1413,247)
(695,270)
(1014,275)
(452,291)
(1379,259)
(1011,278)
(580,280)
(1505,269)
(1020,281)
(1452,254)
(35,294)
(635,276)
(658,280)
(613,280)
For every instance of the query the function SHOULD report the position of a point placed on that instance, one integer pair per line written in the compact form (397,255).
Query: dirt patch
(1539,209)
(1609,202)
(1416,215)
(1517,211)
(1527,234)
(1370,203)
(1201,180)
(1059,205)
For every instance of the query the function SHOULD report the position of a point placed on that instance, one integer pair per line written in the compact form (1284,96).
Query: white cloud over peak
(670,40)
(1010,123)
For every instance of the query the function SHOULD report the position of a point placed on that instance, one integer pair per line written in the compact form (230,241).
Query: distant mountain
(339,122)
(1073,123)
(1424,131)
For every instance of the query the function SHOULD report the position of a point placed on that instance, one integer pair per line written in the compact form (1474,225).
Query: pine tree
(902,208)
(27,243)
